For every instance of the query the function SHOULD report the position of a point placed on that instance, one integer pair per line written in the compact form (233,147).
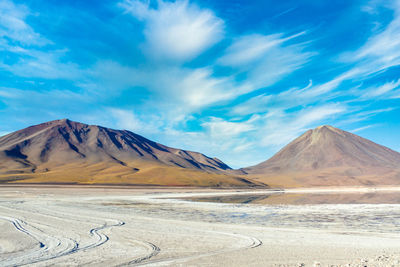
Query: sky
(234,79)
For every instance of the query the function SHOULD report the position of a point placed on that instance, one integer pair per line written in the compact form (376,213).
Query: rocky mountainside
(68,151)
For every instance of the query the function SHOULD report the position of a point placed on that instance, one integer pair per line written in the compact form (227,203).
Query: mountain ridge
(65,145)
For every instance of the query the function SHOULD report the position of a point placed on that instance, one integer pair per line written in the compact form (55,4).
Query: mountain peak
(65,121)
(323,133)
(324,127)
(327,128)
(326,152)
(62,121)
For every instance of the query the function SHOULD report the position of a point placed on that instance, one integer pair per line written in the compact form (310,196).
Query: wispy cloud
(281,127)
(127,119)
(265,58)
(188,89)
(14,29)
(386,90)
(38,64)
(381,51)
(221,129)
(176,30)
(359,115)
(24,46)
(360,129)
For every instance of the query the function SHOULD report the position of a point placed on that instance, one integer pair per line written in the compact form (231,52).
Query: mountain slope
(72,152)
(329,156)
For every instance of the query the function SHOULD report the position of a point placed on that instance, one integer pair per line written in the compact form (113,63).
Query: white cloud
(256,104)
(18,100)
(257,137)
(383,48)
(287,99)
(317,114)
(360,129)
(177,89)
(221,129)
(110,76)
(248,49)
(176,30)
(381,51)
(361,116)
(126,119)
(198,88)
(219,138)
(14,27)
(20,40)
(38,64)
(129,120)
(386,90)
(265,58)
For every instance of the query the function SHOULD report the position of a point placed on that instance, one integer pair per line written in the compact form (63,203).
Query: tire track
(254,243)
(101,239)
(48,244)
(154,251)
(143,260)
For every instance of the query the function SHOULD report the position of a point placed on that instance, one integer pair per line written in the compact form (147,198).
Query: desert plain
(47,225)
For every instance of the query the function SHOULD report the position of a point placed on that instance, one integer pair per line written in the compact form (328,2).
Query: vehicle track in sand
(68,214)
(50,247)
(101,238)
(152,249)
(252,243)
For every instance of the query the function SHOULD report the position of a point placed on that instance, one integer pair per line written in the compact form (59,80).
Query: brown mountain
(64,151)
(329,156)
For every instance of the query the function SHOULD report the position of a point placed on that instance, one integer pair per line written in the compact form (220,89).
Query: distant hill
(328,156)
(65,151)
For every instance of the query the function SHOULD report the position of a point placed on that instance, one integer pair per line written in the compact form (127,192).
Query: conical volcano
(329,156)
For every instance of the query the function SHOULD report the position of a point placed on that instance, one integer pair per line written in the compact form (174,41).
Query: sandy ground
(70,225)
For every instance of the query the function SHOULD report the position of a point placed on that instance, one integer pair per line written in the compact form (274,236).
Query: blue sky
(227,78)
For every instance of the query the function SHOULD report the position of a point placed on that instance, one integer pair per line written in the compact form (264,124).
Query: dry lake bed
(117,226)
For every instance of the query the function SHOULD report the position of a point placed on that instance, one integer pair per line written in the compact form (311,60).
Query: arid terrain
(114,226)
(68,152)
(328,156)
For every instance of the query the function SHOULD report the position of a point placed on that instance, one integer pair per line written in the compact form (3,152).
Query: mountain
(64,151)
(328,156)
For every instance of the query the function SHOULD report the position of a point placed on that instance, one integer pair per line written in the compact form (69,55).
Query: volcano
(328,156)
